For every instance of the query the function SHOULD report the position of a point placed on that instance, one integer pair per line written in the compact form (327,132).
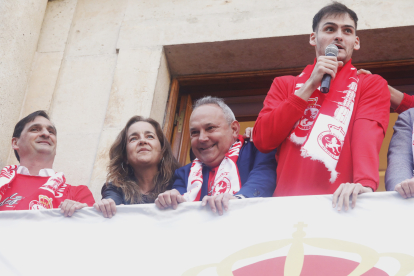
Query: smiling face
(37,140)
(339,30)
(143,146)
(211,135)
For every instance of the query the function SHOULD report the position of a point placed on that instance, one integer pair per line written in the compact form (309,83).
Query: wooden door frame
(179,136)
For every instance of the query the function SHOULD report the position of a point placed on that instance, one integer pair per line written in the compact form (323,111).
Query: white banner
(268,236)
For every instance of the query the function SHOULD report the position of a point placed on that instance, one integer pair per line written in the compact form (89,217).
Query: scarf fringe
(334,174)
(297,140)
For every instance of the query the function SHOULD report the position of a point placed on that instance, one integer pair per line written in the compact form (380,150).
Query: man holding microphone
(328,143)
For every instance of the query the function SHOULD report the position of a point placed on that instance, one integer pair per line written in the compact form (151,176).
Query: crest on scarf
(310,114)
(223,186)
(331,141)
(43,203)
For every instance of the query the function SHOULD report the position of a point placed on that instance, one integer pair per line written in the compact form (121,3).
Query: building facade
(93,64)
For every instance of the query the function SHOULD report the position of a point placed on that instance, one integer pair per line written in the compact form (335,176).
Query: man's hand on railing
(406,188)
(343,193)
(218,203)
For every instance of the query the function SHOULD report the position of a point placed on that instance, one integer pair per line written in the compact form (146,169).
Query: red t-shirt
(359,159)
(24,194)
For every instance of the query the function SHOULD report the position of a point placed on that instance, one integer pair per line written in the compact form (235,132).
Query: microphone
(330,51)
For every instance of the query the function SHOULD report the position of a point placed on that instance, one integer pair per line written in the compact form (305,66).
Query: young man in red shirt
(327,143)
(34,185)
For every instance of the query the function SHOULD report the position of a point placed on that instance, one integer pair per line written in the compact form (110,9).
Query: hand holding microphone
(330,51)
(325,69)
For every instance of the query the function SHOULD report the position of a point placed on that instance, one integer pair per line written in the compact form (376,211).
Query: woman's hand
(169,199)
(106,206)
(68,207)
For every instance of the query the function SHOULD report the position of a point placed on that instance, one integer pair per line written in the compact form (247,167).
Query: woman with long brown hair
(141,166)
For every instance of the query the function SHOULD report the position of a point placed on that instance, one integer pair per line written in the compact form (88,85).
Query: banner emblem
(298,263)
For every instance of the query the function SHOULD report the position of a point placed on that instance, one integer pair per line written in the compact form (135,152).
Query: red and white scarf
(51,190)
(321,131)
(227,178)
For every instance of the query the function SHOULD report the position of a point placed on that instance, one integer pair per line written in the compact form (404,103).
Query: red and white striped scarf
(52,189)
(322,129)
(227,178)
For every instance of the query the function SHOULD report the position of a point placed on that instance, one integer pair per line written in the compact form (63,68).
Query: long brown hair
(122,175)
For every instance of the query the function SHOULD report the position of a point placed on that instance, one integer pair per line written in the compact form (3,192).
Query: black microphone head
(331,50)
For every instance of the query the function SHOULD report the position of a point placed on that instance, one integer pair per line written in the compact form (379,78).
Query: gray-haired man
(226,167)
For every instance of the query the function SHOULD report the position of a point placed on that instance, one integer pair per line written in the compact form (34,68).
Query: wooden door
(176,127)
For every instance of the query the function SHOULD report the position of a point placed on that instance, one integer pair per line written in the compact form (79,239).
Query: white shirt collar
(42,172)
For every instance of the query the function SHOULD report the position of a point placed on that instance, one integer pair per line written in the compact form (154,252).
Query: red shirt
(211,177)
(359,159)
(24,194)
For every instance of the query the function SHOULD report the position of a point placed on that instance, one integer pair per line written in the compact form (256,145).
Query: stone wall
(99,62)
(20,24)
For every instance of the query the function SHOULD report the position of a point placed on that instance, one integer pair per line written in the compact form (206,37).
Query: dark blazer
(117,194)
(257,173)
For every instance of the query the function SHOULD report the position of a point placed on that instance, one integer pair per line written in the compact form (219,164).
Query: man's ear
(357,44)
(235,127)
(312,39)
(14,143)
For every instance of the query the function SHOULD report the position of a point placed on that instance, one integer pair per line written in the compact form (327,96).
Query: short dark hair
(23,122)
(333,9)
